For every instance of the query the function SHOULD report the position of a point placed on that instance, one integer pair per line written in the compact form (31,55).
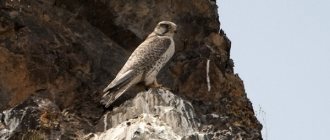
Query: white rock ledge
(153,114)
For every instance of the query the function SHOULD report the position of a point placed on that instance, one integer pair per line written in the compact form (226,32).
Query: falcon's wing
(148,52)
(120,80)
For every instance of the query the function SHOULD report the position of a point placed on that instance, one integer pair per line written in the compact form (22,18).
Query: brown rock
(65,52)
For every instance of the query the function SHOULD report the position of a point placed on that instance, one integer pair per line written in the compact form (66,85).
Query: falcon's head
(165,28)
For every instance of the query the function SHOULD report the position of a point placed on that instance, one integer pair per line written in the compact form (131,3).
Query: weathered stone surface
(160,103)
(39,118)
(65,56)
(65,52)
(153,114)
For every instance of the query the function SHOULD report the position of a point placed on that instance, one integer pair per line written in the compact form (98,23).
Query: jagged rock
(36,117)
(40,118)
(144,127)
(154,114)
(64,56)
(65,52)
(159,105)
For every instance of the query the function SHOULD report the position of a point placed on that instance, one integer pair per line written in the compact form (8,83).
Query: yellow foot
(156,85)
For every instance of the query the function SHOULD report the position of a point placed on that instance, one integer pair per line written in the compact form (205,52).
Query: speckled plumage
(144,63)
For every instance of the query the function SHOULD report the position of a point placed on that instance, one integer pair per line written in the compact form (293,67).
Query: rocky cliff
(56,56)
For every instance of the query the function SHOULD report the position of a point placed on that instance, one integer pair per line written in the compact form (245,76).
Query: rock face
(56,56)
(158,114)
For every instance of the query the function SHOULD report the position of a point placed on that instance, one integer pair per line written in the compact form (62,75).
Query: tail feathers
(120,81)
(107,99)
(111,96)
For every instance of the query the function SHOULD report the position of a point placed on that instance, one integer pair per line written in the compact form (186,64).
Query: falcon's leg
(155,84)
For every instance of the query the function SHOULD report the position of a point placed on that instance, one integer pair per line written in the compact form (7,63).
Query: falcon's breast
(163,56)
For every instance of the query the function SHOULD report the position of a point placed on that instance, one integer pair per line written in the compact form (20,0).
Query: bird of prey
(144,63)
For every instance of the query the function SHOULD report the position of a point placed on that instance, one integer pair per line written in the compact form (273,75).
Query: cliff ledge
(56,56)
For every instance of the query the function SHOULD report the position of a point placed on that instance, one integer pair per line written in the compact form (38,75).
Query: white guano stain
(207,75)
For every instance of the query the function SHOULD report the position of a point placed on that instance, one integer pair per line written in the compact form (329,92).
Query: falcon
(144,63)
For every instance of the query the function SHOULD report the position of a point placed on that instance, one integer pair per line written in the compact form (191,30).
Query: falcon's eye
(166,26)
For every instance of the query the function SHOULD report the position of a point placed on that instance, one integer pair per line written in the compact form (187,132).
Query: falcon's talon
(166,88)
(155,85)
